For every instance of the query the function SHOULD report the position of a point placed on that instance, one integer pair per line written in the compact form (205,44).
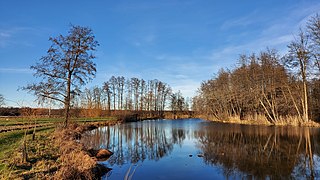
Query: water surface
(198,149)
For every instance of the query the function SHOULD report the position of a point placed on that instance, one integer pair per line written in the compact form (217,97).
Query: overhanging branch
(50,97)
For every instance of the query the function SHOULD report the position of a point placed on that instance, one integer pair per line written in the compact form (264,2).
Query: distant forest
(131,94)
(267,86)
(115,95)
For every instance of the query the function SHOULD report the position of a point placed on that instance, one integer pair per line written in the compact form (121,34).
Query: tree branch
(50,97)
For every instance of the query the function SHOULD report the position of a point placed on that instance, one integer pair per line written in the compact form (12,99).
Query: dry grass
(75,160)
(56,155)
(262,120)
(42,155)
(75,165)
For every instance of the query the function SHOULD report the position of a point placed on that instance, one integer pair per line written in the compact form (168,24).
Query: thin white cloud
(143,39)
(4,38)
(148,5)
(240,21)
(4,35)
(15,70)
(19,35)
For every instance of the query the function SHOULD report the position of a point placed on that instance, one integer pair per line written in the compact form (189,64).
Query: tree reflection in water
(260,152)
(257,152)
(136,141)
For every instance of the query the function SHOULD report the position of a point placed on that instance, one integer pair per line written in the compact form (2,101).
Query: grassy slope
(26,121)
(10,141)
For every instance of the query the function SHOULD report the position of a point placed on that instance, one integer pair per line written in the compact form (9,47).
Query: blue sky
(179,42)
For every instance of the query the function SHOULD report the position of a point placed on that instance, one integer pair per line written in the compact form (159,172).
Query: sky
(180,42)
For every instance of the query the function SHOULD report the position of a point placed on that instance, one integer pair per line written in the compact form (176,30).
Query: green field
(25,120)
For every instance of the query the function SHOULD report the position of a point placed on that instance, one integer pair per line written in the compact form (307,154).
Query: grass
(42,120)
(10,141)
(42,155)
(20,123)
(26,121)
(40,151)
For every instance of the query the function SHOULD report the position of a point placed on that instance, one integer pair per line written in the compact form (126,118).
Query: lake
(199,149)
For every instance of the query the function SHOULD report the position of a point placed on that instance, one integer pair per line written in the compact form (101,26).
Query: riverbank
(76,161)
(261,120)
(53,154)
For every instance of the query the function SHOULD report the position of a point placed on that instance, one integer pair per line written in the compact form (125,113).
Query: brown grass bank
(261,120)
(76,162)
(57,154)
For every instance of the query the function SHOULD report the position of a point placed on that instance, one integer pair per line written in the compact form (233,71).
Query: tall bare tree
(121,83)
(142,94)
(135,87)
(1,100)
(299,57)
(67,66)
(313,28)
(107,89)
(113,84)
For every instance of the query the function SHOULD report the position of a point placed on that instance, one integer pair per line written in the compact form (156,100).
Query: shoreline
(79,161)
(232,120)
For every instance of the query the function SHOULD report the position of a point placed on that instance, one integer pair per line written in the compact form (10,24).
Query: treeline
(267,86)
(10,111)
(27,111)
(130,94)
(117,96)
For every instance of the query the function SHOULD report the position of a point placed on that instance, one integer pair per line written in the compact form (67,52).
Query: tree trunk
(109,102)
(67,113)
(303,67)
(24,148)
(305,101)
(67,101)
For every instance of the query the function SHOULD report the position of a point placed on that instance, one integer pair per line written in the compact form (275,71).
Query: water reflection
(260,152)
(238,151)
(137,141)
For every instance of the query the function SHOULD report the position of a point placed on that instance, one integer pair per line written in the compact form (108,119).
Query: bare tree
(177,102)
(299,57)
(97,98)
(128,104)
(135,87)
(1,100)
(313,28)
(106,88)
(67,66)
(121,82)
(113,84)
(150,95)
(142,94)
